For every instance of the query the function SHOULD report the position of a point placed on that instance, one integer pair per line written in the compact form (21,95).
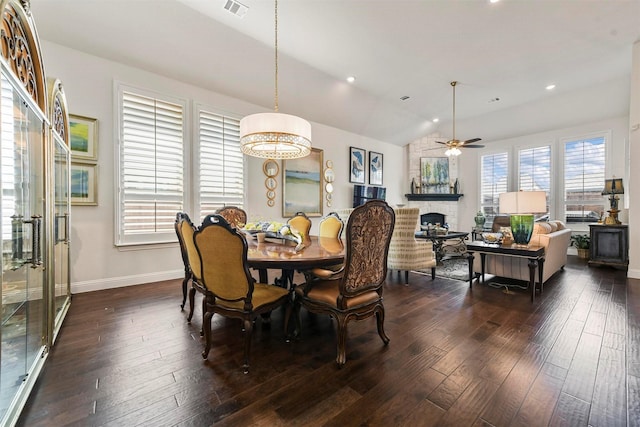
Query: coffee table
(535,255)
(438,241)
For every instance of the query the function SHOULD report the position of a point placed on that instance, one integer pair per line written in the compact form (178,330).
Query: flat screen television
(362,194)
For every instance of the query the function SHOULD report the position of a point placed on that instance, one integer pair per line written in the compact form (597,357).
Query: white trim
(633,274)
(122,281)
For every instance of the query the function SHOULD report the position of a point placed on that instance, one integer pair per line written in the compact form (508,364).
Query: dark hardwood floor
(457,357)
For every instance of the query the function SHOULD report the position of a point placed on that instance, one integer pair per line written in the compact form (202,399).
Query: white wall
(89,81)
(634,170)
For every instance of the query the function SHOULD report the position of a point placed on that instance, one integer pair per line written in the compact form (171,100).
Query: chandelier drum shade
(521,205)
(275,135)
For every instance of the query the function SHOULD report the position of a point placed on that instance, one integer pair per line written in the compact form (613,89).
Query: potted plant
(581,243)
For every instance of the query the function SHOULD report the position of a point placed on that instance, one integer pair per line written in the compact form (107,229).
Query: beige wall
(634,172)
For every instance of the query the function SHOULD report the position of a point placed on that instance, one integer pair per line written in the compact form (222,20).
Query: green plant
(580,241)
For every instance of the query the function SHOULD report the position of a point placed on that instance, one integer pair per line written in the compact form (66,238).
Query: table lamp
(521,205)
(613,187)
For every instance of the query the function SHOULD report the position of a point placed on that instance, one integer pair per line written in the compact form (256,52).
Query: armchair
(405,251)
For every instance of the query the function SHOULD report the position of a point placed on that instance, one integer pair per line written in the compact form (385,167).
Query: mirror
(271,169)
(329,177)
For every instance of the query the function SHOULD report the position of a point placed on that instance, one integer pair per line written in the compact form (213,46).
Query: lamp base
(612,219)
(521,228)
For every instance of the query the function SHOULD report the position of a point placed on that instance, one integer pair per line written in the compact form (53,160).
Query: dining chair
(183,221)
(235,216)
(227,285)
(357,293)
(329,232)
(301,222)
(193,268)
(405,251)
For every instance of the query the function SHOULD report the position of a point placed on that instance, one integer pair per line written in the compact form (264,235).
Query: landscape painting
(434,175)
(302,189)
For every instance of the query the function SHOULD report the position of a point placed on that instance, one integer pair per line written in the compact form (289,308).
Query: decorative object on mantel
(613,187)
(415,187)
(275,135)
(271,169)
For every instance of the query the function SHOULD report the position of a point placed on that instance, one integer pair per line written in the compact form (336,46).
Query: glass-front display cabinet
(34,209)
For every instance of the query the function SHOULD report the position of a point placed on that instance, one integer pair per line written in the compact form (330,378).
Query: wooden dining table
(287,256)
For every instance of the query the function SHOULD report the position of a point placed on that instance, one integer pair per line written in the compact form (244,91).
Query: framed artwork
(302,185)
(83,138)
(357,159)
(434,175)
(375,168)
(84,184)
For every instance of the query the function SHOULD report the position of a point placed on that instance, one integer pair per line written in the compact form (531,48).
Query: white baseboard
(120,282)
(633,274)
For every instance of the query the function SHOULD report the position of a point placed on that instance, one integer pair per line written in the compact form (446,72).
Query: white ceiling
(509,50)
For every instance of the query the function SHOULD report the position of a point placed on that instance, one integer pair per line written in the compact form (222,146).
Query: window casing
(151,166)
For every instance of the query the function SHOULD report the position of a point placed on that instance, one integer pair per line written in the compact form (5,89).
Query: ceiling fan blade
(473,146)
(443,143)
(469,141)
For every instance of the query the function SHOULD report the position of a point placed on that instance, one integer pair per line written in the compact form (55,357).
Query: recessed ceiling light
(494,1)
(351,79)
(435,120)
(551,87)
(236,8)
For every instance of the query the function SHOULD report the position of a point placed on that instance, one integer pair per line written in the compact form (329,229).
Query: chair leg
(406,277)
(206,325)
(192,296)
(433,273)
(204,310)
(248,328)
(341,358)
(184,290)
(380,323)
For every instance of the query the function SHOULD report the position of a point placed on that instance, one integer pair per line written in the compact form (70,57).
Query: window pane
(535,170)
(494,171)
(221,163)
(584,163)
(152,166)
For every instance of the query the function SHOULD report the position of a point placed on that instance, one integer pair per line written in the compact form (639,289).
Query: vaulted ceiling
(503,54)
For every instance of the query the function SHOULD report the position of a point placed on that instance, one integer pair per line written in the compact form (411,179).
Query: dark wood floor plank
(457,356)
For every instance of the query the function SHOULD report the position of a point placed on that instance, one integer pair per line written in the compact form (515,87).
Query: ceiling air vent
(236,8)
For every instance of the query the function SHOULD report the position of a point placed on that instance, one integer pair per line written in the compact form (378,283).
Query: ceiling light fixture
(551,87)
(351,79)
(275,135)
(435,120)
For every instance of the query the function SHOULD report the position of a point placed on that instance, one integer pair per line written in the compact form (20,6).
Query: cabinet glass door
(21,209)
(61,282)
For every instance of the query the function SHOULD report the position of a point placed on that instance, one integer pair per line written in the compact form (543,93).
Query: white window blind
(584,173)
(534,169)
(151,168)
(494,172)
(221,164)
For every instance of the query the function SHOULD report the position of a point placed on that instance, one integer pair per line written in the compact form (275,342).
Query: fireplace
(432,218)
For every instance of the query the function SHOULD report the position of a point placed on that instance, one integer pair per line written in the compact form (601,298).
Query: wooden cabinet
(609,245)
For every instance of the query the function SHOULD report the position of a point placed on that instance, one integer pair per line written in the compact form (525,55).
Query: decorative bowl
(492,237)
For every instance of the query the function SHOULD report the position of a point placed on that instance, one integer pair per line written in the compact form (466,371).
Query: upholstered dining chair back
(227,285)
(186,230)
(223,254)
(344,216)
(369,232)
(330,226)
(235,216)
(301,222)
(405,251)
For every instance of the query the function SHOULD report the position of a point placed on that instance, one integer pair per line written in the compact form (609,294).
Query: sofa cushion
(561,225)
(553,225)
(542,228)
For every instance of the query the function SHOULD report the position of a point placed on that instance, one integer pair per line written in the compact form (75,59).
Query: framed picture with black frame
(357,159)
(375,168)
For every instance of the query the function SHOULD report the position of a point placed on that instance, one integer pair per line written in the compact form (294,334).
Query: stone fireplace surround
(427,147)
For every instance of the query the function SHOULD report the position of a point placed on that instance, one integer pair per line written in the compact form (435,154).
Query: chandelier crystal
(275,135)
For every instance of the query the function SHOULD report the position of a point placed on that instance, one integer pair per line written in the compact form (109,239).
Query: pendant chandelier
(275,135)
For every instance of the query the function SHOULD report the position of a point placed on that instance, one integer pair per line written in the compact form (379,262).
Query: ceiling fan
(454,145)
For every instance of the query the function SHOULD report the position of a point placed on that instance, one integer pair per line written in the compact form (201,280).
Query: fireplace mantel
(445,197)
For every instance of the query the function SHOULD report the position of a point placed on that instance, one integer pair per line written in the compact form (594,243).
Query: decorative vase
(522,228)
(480,220)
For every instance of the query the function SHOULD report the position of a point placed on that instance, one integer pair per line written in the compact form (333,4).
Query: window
(584,173)
(494,172)
(221,165)
(151,167)
(534,170)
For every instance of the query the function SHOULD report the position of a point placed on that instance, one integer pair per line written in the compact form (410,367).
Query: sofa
(554,236)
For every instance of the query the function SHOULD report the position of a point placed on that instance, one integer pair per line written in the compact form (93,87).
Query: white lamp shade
(275,136)
(523,202)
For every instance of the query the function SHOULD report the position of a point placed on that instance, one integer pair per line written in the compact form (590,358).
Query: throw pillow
(542,228)
(553,225)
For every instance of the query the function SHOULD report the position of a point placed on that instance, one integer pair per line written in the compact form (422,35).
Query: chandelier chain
(276,57)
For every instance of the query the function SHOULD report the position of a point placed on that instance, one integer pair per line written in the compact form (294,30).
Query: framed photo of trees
(434,175)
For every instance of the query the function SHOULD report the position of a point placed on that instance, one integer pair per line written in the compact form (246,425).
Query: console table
(535,254)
